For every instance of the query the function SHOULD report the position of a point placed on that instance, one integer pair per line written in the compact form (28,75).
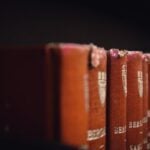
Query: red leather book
(148,114)
(134,101)
(116,99)
(145,101)
(44,93)
(97,96)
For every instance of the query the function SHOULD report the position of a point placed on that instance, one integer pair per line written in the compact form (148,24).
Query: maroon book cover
(116,99)
(44,93)
(134,100)
(97,97)
(74,98)
(145,101)
(148,113)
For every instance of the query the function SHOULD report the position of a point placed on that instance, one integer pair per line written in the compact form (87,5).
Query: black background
(123,24)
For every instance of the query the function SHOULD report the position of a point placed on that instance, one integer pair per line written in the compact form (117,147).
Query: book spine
(134,101)
(51,76)
(145,101)
(74,98)
(116,99)
(97,97)
(148,113)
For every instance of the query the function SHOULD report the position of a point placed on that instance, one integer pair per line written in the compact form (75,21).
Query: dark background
(123,24)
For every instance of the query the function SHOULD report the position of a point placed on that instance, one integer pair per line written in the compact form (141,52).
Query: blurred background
(123,24)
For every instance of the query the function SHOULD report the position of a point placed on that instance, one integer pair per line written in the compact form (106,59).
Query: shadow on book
(20,144)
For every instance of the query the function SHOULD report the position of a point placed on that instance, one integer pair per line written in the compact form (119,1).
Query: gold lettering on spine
(102,86)
(86,90)
(101,147)
(136,124)
(136,147)
(124,78)
(96,134)
(145,119)
(140,83)
(120,130)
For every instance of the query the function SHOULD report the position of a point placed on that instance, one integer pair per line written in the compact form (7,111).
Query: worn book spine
(97,97)
(116,99)
(148,113)
(145,101)
(73,94)
(134,101)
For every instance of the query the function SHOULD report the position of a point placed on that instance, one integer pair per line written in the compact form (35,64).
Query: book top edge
(118,53)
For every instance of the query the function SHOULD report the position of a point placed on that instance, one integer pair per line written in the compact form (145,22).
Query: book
(148,113)
(145,101)
(44,93)
(116,99)
(134,100)
(97,98)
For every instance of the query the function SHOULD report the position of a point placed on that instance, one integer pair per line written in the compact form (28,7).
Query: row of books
(80,95)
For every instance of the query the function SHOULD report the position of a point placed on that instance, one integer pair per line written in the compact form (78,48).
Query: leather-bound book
(134,100)
(116,99)
(45,93)
(148,113)
(145,101)
(97,96)
(74,95)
